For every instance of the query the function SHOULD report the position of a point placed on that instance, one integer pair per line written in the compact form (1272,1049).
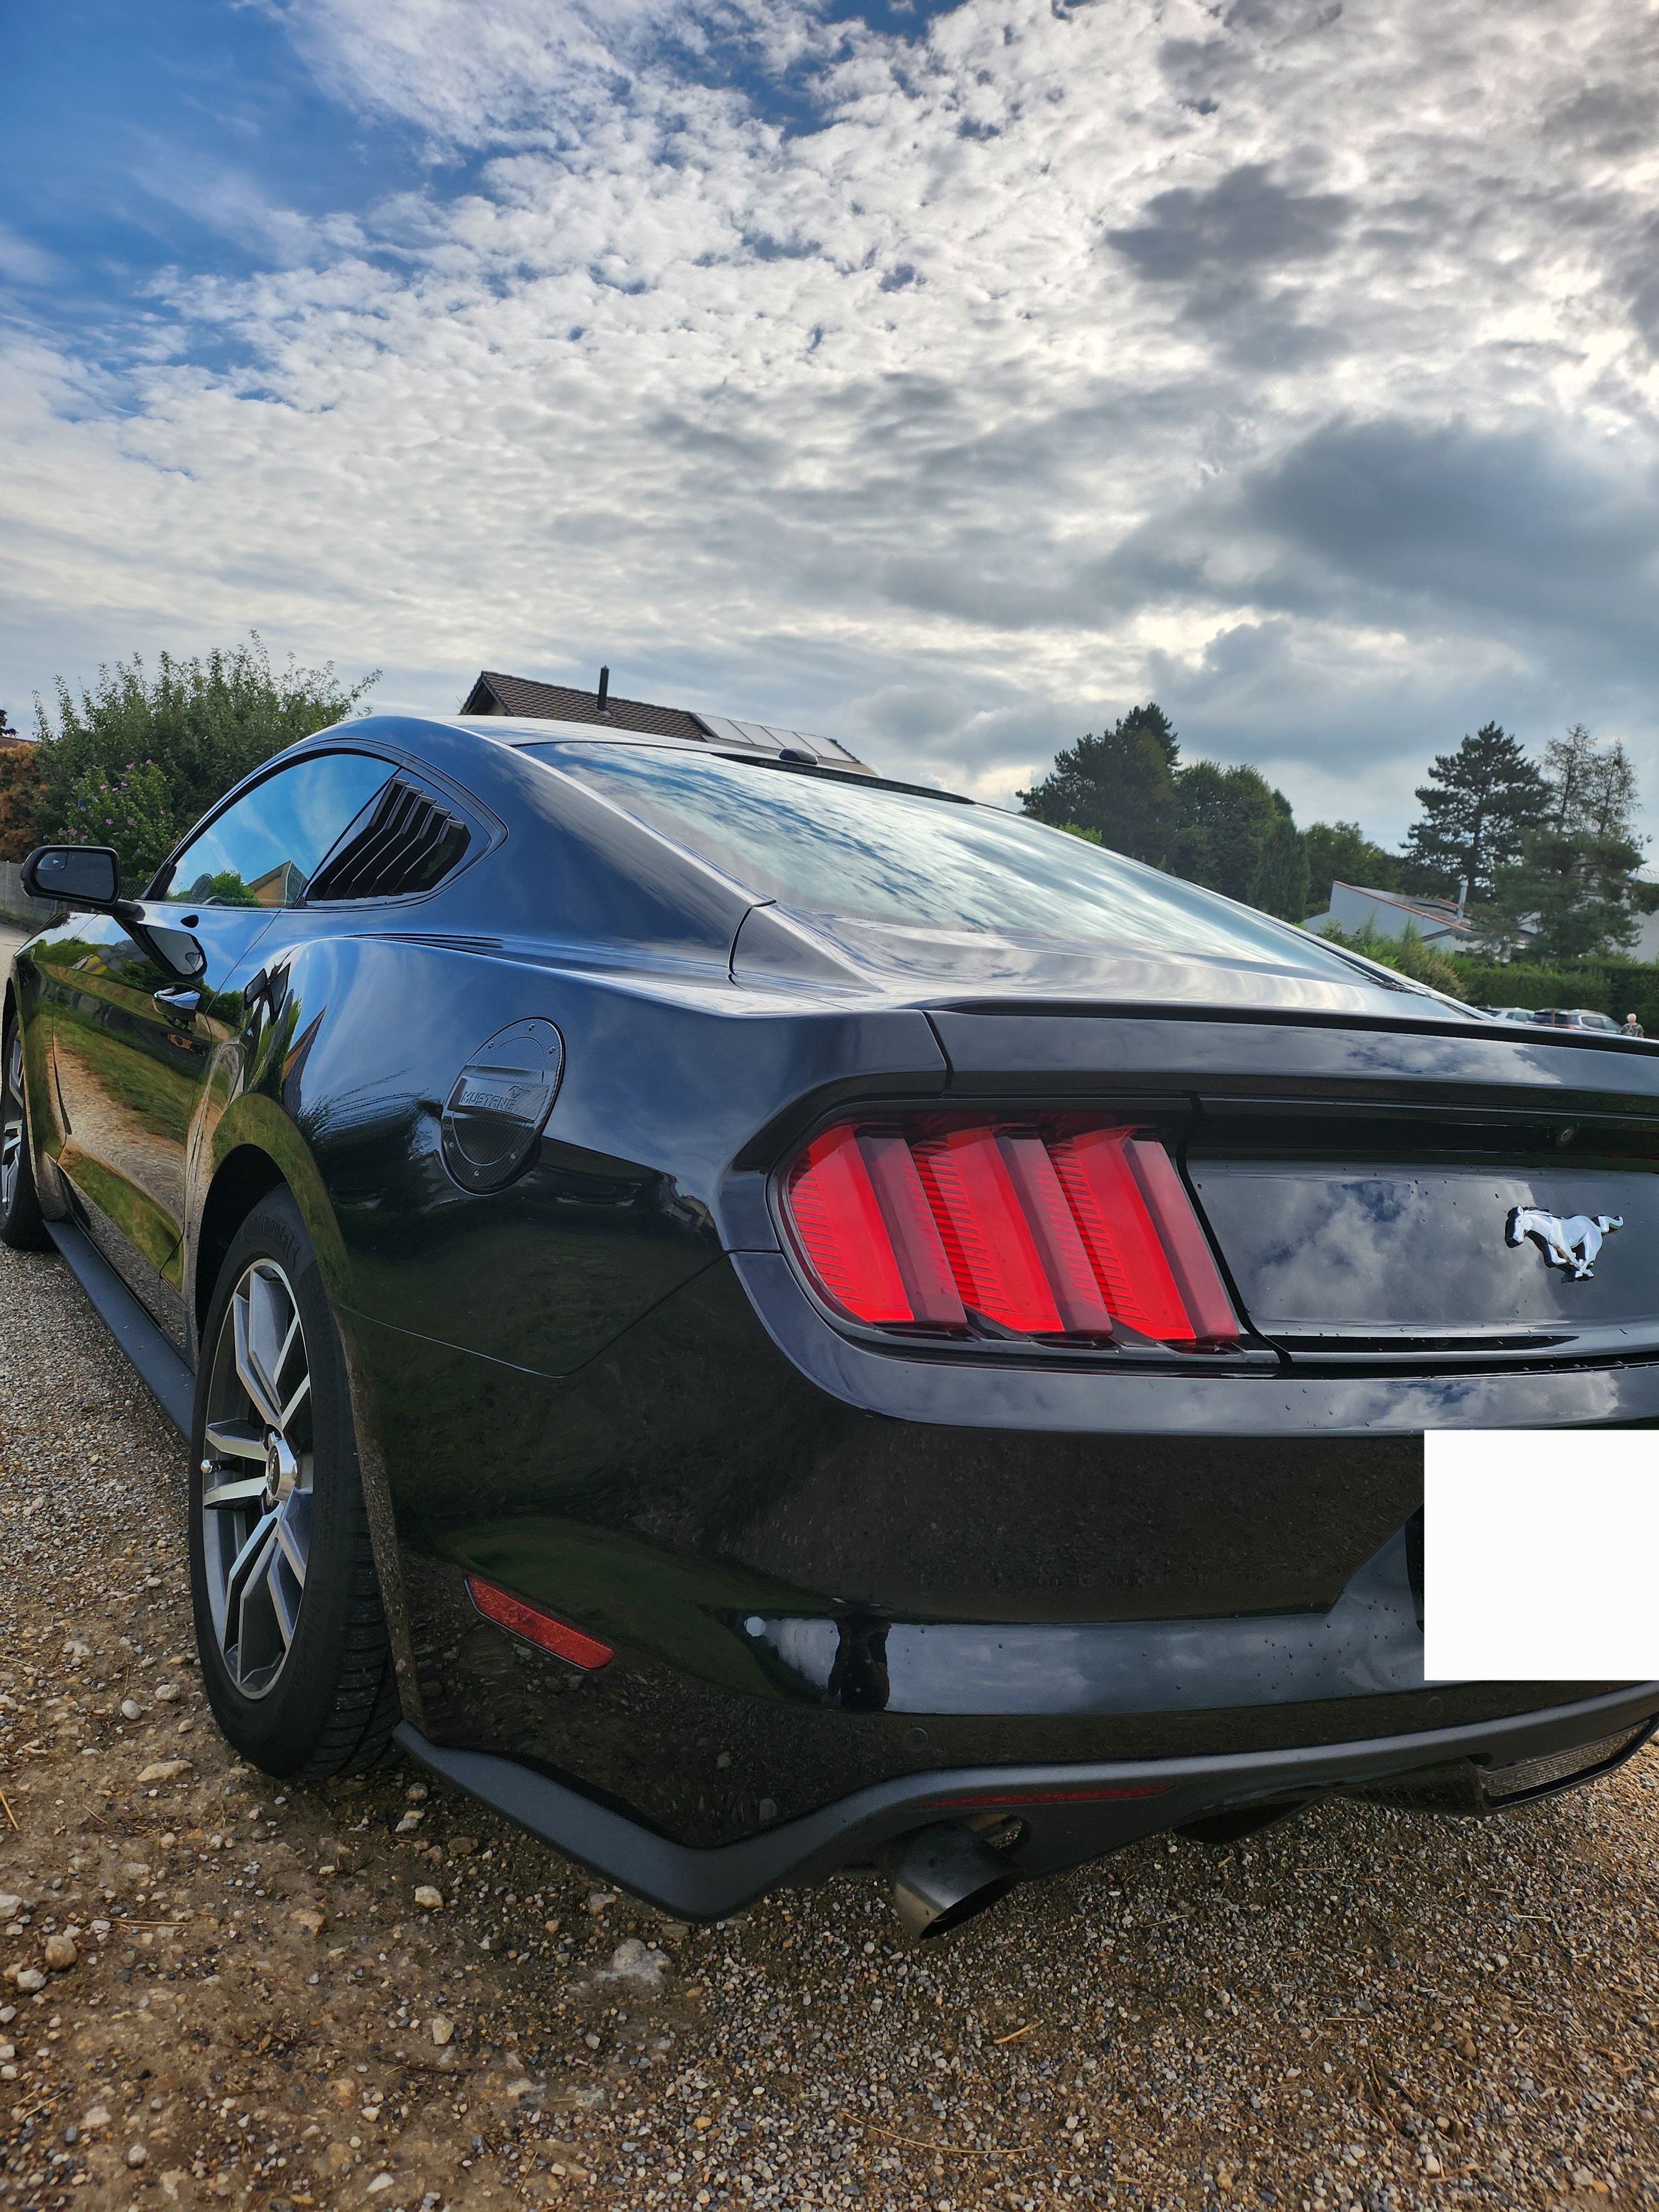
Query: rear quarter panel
(662,1085)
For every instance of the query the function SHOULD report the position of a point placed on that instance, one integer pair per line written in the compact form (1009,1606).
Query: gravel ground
(376,1994)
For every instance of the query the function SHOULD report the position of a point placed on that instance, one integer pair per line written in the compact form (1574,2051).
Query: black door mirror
(78,875)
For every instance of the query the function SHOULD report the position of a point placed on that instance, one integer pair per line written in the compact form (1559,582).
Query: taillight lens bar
(990,1228)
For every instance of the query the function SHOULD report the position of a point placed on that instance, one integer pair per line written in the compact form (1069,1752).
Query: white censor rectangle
(1540,1555)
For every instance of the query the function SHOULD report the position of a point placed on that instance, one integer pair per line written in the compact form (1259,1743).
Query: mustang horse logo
(1572,1243)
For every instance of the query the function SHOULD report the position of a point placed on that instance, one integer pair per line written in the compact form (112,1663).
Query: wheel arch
(242,1179)
(255,1148)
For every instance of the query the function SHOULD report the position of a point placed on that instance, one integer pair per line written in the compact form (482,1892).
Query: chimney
(1462,894)
(604,690)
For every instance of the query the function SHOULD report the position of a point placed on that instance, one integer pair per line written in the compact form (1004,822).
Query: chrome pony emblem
(1571,1244)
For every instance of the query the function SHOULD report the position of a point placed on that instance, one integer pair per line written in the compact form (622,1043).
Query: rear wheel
(22,1224)
(295,1658)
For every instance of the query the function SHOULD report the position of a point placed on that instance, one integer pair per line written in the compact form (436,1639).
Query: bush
(197,728)
(1610,987)
(132,811)
(22,797)
(1407,955)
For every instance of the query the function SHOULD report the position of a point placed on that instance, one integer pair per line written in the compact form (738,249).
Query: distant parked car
(1513,1013)
(1578,1017)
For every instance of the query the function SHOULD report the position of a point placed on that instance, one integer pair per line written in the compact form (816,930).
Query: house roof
(497,694)
(1442,912)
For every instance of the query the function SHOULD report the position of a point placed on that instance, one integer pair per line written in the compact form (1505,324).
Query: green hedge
(1611,987)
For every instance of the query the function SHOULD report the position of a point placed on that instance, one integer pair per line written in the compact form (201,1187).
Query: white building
(1353,909)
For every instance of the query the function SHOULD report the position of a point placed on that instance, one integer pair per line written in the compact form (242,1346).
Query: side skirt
(164,1371)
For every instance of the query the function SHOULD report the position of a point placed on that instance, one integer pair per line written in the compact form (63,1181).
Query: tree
(1121,784)
(1340,853)
(197,725)
(1573,892)
(21,793)
(1572,896)
(1224,817)
(1478,805)
(1592,792)
(1280,884)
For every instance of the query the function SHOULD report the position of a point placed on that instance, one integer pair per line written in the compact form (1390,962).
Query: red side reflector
(536,1627)
(996,1229)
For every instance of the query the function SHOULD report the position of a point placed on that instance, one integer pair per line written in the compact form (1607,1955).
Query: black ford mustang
(764,1321)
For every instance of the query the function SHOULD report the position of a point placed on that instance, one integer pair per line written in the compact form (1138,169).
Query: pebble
(380,2181)
(132,1709)
(631,1961)
(164,1770)
(137,2153)
(60,1953)
(28,1979)
(10,1905)
(167,1693)
(410,1821)
(429,1898)
(96,2116)
(440,2029)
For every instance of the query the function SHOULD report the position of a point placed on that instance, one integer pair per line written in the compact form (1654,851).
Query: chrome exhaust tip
(942,1876)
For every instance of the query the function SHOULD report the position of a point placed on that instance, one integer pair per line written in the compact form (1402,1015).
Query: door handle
(177,998)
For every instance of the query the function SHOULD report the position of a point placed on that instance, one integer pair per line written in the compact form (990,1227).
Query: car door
(142,1009)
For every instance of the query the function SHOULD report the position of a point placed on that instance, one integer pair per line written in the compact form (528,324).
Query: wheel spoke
(238,1439)
(243,1567)
(287,1537)
(285,1615)
(227,1496)
(301,1393)
(253,1381)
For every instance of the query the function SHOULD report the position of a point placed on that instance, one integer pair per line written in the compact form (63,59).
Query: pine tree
(1121,784)
(1478,805)
(1280,884)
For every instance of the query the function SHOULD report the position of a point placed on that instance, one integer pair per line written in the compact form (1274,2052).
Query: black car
(767,1321)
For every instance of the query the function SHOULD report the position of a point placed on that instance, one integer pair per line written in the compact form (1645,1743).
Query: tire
(22,1223)
(295,1659)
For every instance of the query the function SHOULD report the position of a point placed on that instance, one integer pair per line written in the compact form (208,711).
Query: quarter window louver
(405,840)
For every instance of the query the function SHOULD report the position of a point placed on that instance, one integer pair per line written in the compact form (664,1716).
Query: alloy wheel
(256,1473)
(12,1139)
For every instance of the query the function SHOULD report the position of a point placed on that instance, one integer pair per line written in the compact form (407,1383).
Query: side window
(263,851)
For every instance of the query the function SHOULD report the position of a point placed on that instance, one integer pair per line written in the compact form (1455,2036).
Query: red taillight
(537,1626)
(1052,1233)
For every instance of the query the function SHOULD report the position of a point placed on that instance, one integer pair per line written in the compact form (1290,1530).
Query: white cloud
(1292,363)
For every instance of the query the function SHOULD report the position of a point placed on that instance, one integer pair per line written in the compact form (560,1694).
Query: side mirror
(76,875)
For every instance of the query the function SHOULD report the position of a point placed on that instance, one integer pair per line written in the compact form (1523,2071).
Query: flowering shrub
(132,811)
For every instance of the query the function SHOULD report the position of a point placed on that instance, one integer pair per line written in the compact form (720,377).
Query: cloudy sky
(943,379)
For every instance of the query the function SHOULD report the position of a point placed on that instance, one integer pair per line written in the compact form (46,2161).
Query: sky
(947,379)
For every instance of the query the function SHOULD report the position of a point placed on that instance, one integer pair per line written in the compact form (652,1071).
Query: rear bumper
(1070,1814)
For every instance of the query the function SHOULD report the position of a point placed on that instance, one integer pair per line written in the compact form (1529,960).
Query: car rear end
(1041,1464)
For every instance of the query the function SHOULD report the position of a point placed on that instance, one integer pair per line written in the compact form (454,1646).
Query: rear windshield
(827,846)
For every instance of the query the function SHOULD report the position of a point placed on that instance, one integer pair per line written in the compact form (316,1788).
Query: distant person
(1632,1027)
